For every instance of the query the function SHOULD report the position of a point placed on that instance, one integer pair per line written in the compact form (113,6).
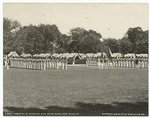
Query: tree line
(46,38)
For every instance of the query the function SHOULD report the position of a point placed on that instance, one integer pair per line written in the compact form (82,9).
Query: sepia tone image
(75,59)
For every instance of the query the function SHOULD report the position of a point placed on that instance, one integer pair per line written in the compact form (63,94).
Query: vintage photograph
(75,59)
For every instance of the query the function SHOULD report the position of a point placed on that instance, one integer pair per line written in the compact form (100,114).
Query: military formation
(39,64)
(102,63)
(60,61)
(128,62)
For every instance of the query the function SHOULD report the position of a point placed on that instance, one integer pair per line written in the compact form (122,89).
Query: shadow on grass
(88,109)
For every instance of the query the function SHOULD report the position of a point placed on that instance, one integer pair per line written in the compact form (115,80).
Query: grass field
(83,90)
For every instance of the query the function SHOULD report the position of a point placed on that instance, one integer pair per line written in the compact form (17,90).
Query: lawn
(81,90)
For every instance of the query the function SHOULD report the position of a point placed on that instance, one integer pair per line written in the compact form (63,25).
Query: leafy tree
(92,43)
(9,29)
(75,39)
(34,41)
(142,46)
(52,37)
(64,43)
(112,44)
(125,46)
(134,35)
(84,41)
(19,40)
(139,39)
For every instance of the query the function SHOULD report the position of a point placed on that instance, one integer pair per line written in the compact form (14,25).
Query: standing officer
(136,63)
(66,63)
(98,63)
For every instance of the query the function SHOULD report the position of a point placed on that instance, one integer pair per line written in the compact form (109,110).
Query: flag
(108,53)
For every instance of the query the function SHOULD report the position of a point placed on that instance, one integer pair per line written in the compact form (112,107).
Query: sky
(108,19)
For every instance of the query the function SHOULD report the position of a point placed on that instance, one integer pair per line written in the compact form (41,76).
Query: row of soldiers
(118,62)
(38,64)
(104,64)
(100,62)
(130,62)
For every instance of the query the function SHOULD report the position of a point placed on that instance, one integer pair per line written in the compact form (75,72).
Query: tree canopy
(46,38)
(10,27)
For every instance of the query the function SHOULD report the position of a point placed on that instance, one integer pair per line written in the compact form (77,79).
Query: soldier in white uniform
(66,62)
(62,63)
(110,64)
(57,63)
(86,61)
(105,63)
(136,63)
(50,63)
(120,61)
(44,64)
(99,64)
(142,62)
(132,61)
(7,63)
(127,60)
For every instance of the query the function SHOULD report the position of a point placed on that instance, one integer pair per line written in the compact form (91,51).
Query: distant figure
(99,64)
(136,63)
(142,62)
(110,65)
(7,64)
(5,61)
(105,63)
